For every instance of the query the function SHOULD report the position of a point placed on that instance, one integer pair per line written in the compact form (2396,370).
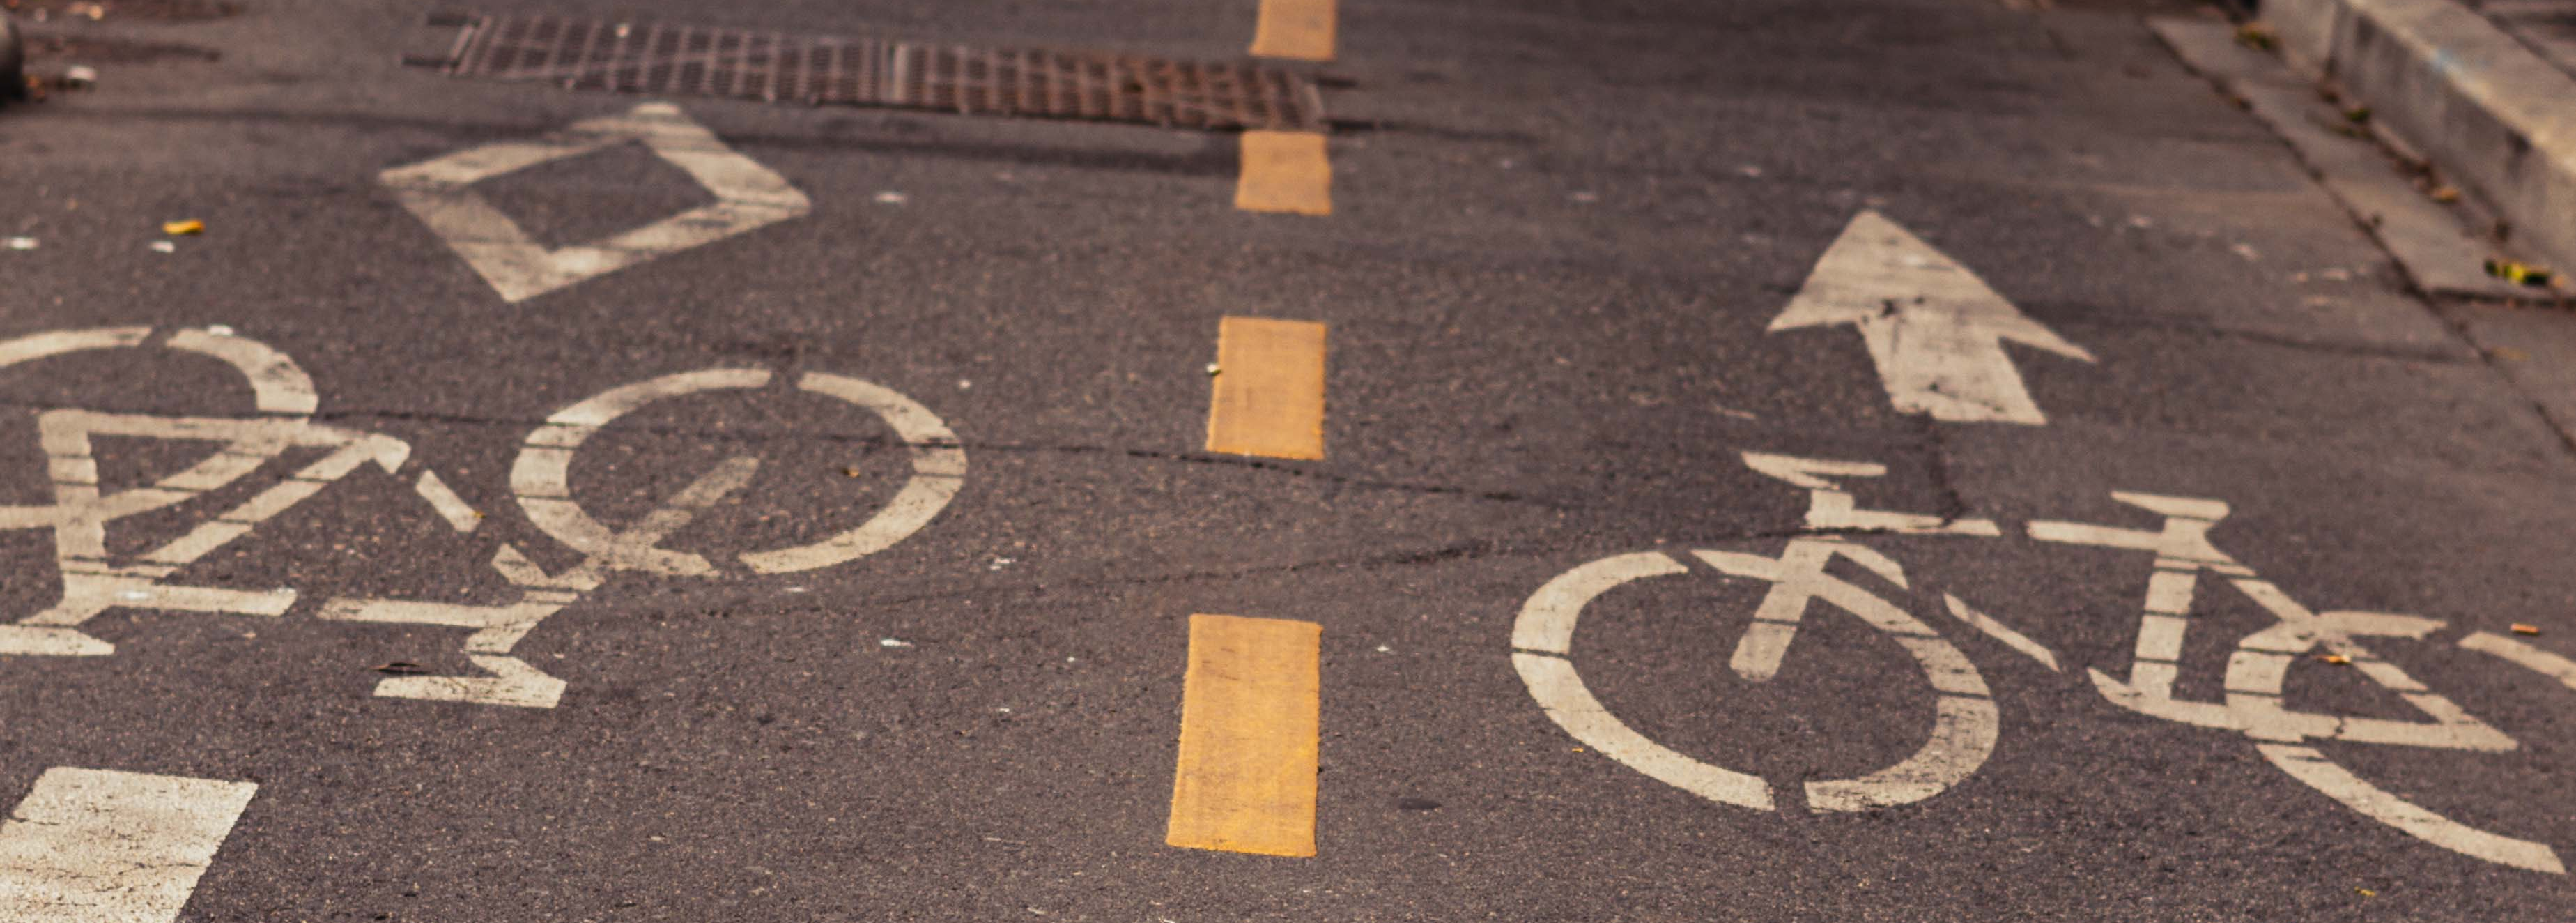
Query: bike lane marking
(1267,391)
(459,514)
(2310,766)
(97,846)
(2534,659)
(2002,632)
(1251,722)
(440,192)
(1934,330)
(1543,642)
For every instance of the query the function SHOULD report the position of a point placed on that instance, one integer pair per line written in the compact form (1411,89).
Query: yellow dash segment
(1285,171)
(1250,716)
(1301,29)
(1269,389)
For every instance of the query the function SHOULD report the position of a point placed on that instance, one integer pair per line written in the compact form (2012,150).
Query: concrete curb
(2489,112)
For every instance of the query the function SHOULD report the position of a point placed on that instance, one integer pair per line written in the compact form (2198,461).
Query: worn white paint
(1934,330)
(459,514)
(2260,665)
(440,193)
(1561,694)
(95,846)
(2523,655)
(2001,632)
(1832,509)
(2309,766)
(1544,638)
(1965,725)
(513,683)
(499,628)
(541,476)
(938,471)
(283,398)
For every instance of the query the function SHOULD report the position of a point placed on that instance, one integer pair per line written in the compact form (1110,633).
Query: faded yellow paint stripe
(1250,717)
(1301,29)
(1268,395)
(1285,171)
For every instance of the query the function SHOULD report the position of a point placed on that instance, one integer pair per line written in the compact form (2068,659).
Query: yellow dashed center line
(1268,396)
(1285,171)
(1301,29)
(1250,719)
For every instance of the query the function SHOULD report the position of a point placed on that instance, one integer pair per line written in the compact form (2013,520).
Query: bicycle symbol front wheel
(1965,723)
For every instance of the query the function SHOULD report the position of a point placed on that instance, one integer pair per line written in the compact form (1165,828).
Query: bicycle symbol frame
(1965,724)
(284,401)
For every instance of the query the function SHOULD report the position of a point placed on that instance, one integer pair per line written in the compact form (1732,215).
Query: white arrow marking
(1934,329)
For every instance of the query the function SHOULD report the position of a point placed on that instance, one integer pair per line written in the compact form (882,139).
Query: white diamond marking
(439,192)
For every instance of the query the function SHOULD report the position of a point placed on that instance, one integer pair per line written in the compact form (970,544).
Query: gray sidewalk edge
(2490,113)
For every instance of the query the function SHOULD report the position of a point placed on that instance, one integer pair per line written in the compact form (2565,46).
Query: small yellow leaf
(183,228)
(2366,892)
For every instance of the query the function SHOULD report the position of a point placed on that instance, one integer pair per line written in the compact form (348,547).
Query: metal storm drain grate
(822,70)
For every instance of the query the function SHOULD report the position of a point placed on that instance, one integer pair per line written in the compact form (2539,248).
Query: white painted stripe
(278,385)
(1561,694)
(2307,765)
(1547,621)
(2001,632)
(58,342)
(2169,591)
(938,472)
(2160,637)
(1963,735)
(513,683)
(440,193)
(459,514)
(1934,330)
(51,641)
(2543,662)
(542,475)
(94,846)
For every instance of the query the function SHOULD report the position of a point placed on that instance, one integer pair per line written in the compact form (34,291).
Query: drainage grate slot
(677,60)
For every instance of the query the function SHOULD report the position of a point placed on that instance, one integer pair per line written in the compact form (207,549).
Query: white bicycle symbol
(284,401)
(1965,725)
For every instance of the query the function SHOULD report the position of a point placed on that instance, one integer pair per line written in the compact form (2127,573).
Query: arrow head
(1934,329)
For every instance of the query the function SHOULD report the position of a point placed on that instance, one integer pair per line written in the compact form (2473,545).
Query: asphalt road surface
(1780,460)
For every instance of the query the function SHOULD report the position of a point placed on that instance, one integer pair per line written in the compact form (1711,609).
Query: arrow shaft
(1937,363)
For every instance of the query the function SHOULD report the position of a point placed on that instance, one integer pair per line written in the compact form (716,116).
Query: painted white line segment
(1830,508)
(459,514)
(1934,330)
(440,193)
(94,846)
(2540,661)
(2309,766)
(1544,637)
(2001,632)
(1965,724)
(1561,694)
